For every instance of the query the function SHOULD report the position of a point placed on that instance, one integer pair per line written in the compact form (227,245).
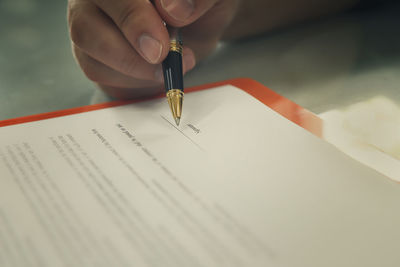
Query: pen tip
(177,121)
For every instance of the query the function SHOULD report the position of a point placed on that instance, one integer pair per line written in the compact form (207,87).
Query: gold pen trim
(175,46)
(175,100)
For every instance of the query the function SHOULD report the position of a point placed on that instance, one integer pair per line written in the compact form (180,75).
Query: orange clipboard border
(278,103)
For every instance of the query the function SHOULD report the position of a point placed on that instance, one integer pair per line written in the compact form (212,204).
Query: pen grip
(172,70)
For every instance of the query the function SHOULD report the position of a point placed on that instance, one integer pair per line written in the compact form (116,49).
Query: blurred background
(321,65)
(37,70)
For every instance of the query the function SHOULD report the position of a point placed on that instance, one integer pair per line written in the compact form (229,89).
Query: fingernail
(150,47)
(178,9)
(158,74)
(188,62)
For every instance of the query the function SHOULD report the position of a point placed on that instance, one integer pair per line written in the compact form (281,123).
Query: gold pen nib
(175,100)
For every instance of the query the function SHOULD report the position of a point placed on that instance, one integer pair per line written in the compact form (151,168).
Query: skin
(119,44)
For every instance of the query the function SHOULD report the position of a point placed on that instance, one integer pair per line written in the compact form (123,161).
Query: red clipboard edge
(280,104)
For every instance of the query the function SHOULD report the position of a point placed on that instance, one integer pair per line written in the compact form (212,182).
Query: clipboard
(278,103)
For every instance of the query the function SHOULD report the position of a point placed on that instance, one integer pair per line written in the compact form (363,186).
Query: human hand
(119,44)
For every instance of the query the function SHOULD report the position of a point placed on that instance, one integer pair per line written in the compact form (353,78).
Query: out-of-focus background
(37,70)
(320,65)
(346,67)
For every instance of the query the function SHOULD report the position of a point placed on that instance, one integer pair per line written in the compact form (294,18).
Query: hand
(119,44)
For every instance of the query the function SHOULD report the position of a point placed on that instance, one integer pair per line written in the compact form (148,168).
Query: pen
(173,74)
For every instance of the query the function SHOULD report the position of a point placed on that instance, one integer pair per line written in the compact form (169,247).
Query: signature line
(191,140)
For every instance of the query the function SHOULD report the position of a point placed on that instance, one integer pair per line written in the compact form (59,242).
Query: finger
(102,74)
(213,23)
(180,13)
(97,35)
(113,83)
(203,28)
(204,34)
(141,25)
(208,29)
(119,85)
(188,59)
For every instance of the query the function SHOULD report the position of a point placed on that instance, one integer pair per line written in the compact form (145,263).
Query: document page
(234,185)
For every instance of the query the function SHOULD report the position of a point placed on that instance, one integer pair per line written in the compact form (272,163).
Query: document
(236,184)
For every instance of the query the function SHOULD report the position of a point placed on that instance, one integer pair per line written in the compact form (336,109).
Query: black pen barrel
(173,72)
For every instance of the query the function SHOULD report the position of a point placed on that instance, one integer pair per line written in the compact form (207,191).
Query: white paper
(235,185)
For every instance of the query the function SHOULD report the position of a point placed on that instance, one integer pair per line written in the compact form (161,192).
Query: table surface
(320,65)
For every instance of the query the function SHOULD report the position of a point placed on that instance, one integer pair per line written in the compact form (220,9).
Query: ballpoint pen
(173,74)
